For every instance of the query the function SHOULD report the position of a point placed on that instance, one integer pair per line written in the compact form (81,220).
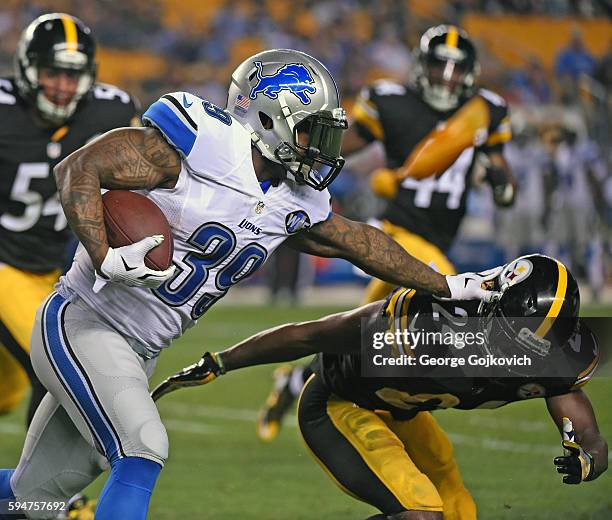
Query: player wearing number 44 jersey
(233,185)
(434,130)
(51,107)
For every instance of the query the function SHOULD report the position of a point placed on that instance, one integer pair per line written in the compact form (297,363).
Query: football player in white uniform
(233,184)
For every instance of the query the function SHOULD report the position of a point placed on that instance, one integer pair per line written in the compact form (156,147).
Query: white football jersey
(225,224)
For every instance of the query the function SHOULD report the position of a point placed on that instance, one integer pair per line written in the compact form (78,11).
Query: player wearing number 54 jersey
(51,107)
(233,184)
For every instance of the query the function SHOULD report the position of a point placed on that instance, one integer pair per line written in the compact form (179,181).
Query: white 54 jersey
(224,222)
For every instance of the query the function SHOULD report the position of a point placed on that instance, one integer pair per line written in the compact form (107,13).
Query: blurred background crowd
(551,59)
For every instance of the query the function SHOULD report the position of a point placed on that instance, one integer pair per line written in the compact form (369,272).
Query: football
(130,217)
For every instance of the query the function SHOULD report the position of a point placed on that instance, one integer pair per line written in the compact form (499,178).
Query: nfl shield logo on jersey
(296,221)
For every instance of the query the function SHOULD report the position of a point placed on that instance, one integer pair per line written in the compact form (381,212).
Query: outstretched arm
(334,334)
(382,257)
(577,407)
(371,250)
(126,158)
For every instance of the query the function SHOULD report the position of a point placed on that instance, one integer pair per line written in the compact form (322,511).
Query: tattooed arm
(371,250)
(126,158)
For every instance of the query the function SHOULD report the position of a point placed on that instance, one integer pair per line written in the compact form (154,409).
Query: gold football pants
(418,247)
(425,443)
(20,295)
(392,465)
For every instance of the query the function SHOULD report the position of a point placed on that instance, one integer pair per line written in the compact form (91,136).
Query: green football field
(218,469)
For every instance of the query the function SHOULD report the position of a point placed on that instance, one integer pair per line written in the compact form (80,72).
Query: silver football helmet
(290,103)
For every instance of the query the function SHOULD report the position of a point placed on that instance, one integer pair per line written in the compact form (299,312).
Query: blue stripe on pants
(74,379)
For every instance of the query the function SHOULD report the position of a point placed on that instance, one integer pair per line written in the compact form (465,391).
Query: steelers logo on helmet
(290,104)
(515,272)
(536,315)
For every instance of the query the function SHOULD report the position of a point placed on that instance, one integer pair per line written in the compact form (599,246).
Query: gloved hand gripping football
(127,265)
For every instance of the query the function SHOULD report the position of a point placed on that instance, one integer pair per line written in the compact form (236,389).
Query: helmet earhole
(530,306)
(266,121)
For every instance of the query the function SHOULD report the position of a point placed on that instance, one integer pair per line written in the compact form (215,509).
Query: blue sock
(128,489)
(6,493)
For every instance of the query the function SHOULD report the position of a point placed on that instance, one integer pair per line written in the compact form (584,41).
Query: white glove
(126,265)
(468,286)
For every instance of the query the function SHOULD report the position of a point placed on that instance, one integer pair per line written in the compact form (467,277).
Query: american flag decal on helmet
(242,103)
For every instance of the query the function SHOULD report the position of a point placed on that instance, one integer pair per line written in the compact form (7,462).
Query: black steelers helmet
(56,41)
(537,312)
(446,67)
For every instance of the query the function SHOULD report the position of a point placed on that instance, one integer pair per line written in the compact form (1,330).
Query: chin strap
(258,143)
(53,113)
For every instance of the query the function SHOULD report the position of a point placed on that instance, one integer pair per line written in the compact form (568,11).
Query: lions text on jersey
(224,223)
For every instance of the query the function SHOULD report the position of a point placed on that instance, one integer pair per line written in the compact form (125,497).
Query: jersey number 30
(215,243)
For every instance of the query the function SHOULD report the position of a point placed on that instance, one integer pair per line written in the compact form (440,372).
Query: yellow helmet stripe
(404,309)
(70,30)
(557,303)
(452,37)
(397,313)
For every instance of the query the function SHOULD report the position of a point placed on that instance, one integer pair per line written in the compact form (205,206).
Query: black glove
(576,465)
(201,373)
(504,192)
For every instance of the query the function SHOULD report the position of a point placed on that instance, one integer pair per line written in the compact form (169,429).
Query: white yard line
(217,412)
(199,428)
(491,444)
(487,443)
(12,428)
(505,424)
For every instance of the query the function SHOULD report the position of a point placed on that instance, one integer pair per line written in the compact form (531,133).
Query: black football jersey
(404,397)
(33,228)
(397,116)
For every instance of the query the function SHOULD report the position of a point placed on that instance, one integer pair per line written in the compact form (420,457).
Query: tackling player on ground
(266,161)
(51,107)
(362,430)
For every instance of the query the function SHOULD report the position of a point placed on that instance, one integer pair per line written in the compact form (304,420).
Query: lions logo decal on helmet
(290,104)
(294,77)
